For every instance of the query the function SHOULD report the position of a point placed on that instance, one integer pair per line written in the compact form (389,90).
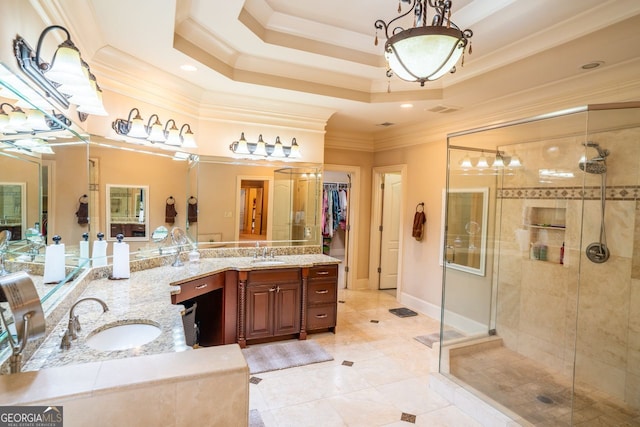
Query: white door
(390,233)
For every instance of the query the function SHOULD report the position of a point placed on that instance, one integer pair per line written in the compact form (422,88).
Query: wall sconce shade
(261,150)
(67,79)
(153,131)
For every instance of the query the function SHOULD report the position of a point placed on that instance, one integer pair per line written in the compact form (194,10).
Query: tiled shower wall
(555,313)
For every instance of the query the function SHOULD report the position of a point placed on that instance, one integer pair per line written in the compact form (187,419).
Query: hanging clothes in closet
(334,208)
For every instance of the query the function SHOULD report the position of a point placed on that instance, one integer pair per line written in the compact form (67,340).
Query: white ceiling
(319,56)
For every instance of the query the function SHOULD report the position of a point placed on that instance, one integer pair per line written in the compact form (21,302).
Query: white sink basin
(123,336)
(267,262)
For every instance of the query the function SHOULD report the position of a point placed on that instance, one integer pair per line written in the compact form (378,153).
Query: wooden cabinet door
(260,311)
(287,309)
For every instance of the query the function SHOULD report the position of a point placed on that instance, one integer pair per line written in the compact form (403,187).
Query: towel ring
(420,206)
(83,199)
(171,200)
(193,200)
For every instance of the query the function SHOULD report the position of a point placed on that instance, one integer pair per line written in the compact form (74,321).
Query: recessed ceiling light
(591,65)
(188,67)
(406,105)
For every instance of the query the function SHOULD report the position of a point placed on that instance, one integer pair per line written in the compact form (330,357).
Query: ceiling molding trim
(348,141)
(227,114)
(291,41)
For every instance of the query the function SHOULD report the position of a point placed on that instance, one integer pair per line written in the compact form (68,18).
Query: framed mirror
(13,208)
(126,213)
(464,229)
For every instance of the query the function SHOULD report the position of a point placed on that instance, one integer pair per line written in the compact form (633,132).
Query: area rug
(271,357)
(403,312)
(428,340)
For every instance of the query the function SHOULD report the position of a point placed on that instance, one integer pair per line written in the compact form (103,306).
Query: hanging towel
(192,210)
(170,211)
(83,210)
(418,225)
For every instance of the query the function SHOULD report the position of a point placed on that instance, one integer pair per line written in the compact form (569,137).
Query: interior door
(390,232)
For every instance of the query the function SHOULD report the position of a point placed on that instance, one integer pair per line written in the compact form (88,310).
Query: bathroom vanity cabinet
(273,303)
(216,312)
(322,295)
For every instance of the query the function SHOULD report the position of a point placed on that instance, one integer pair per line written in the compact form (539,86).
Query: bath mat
(403,312)
(428,340)
(272,357)
(255,420)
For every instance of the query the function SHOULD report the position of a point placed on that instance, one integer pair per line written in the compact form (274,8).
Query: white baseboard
(468,326)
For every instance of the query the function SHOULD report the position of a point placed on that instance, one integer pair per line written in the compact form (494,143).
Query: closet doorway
(339,233)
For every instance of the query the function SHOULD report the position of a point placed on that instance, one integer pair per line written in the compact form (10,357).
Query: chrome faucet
(73,326)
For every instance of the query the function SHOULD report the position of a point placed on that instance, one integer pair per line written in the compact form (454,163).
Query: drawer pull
(204,285)
(322,273)
(275,289)
(324,291)
(321,316)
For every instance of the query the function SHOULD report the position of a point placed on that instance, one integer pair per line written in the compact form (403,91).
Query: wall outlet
(228,214)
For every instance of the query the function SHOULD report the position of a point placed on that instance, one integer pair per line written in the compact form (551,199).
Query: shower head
(596,165)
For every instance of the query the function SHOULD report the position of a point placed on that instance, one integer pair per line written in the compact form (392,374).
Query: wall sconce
(484,164)
(153,131)
(261,149)
(67,78)
(18,121)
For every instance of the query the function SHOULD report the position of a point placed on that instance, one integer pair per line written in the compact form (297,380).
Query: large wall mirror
(464,236)
(127,211)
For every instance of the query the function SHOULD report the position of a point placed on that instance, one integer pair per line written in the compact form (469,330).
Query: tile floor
(542,397)
(379,375)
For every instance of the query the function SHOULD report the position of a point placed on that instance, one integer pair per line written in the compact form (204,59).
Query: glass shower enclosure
(541,257)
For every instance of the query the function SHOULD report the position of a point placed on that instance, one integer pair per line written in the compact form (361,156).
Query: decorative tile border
(630,192)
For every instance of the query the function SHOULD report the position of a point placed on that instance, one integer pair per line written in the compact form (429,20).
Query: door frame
(269,181)
(376,216)
(351,255)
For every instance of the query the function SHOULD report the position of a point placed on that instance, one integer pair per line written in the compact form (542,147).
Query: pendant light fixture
(423,52)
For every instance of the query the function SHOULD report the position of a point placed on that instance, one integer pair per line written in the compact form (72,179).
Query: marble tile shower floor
(539,396)
(379,375)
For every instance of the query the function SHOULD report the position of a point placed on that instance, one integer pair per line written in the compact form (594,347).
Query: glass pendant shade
(424,53)
(241,146)
(156,133)
(295,150)
(173,136)
(18,121)
(137,129)
(278,150)
(188,140)
(482,163)
(36,120)
(66,66)
(498,163)
(466,163)
(261,148)
(515,162)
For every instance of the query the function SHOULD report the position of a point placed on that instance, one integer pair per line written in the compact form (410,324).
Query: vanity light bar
(260,149)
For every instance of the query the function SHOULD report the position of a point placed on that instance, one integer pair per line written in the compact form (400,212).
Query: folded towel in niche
(418,225)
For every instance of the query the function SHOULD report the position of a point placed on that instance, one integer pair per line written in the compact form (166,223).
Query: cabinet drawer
(196,287)
(323,271)
(321,292)
(321,316)
(274,276)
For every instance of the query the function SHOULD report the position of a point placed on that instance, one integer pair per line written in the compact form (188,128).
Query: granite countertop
(145,296)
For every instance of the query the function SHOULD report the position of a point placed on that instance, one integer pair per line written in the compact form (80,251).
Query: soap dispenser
(120,259)
(83,258)
(99,251)
(54,262)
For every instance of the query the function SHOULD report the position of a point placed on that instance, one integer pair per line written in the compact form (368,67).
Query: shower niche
(545,232)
